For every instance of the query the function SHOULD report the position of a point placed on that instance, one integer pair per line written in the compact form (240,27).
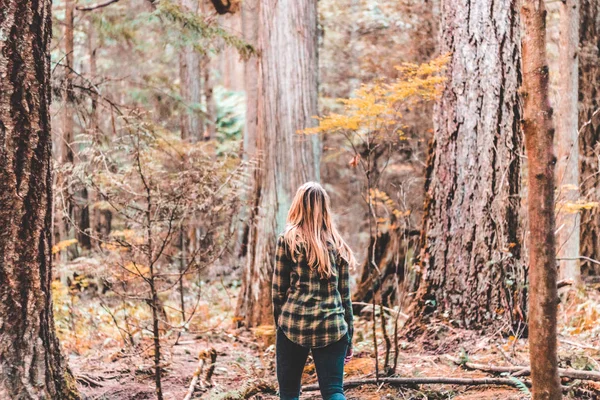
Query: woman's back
(312,313)
(311,296)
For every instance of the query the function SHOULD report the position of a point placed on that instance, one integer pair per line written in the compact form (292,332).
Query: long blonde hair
(309,225)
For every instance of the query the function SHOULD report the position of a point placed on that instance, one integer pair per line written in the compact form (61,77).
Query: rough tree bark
(470,244)
(287,101)
(566,141)
(250,31)
(589,137)
(31,364)
(539,135)
(231,65)
(190,75)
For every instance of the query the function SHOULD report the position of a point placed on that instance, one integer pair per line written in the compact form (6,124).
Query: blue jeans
(329,364)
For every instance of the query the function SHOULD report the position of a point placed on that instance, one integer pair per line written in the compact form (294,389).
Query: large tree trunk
(231,65)
(250,31)
(287,101)
(589,137)
(31,364)
(566,141)
(539,135)
(470,238)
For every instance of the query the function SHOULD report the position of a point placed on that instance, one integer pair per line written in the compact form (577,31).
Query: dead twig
(88,380)
(390,310)
(563,283)
(203,357)
(96,6)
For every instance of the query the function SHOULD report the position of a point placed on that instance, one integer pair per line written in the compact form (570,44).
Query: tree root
(248,390)
(88,380)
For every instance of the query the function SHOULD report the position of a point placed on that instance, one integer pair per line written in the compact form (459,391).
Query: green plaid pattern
(311,311)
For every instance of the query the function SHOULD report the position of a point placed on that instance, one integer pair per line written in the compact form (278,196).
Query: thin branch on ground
(425,381)
(526,370)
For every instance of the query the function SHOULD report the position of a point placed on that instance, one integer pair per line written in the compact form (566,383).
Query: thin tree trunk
(288,65)
(190,61)
(67,155)
(100,217)
(470,239)
(154,301)
(539,135)
(589,137)
(211,106)
(566,140)
(93,131)
(31,364)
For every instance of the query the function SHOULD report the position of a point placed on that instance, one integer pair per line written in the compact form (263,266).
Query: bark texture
(589,137)
(539,136)
(190,73)
(566,141)
(31,364)
(287,101)
(470,245)
(250,31)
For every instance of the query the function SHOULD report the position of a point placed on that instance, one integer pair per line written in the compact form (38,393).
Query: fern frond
(520,385)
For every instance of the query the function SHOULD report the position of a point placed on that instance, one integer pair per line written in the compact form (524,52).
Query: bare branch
(96,6)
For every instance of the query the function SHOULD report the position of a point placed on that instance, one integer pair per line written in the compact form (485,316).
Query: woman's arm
(344,288)
(281,278)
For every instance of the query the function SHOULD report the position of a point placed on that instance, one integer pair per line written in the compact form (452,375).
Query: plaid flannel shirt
(311,311)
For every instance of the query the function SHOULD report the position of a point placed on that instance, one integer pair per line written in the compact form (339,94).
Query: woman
(311,296)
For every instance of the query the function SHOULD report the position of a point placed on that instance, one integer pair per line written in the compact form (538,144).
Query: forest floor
(108,370)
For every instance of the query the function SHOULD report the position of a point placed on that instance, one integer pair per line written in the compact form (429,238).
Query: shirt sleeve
(344,288)
(281,278)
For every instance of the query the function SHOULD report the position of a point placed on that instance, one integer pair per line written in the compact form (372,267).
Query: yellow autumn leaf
(58,247)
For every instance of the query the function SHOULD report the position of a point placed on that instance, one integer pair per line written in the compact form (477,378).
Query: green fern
(463,357)
(520,385)
(195,24)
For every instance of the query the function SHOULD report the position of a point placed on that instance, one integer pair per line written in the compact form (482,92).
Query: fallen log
(428,381)
(525,370)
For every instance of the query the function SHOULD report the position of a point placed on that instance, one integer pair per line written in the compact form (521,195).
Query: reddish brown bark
(287,37)
(470,243)
(31,364)
(589,137)
(539,136)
